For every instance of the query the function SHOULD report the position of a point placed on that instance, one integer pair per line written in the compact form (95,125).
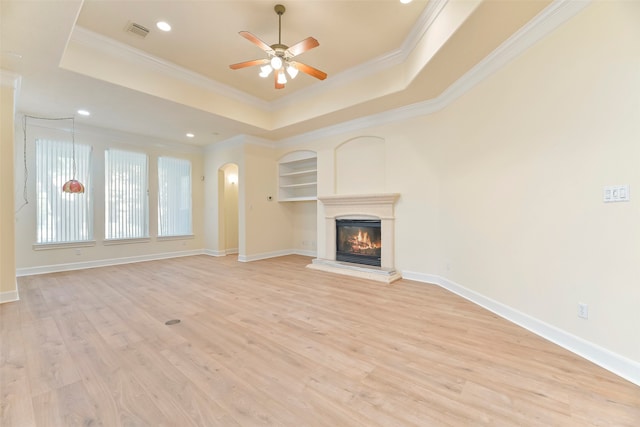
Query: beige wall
(521,213)
(501,192)
(8,287)
(230,197)
(31,260)
(267,222)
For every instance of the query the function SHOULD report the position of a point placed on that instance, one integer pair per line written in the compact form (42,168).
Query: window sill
(65,245)
(180,237)
(110,242)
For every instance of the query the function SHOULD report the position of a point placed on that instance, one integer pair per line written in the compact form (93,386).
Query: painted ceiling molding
(547,21)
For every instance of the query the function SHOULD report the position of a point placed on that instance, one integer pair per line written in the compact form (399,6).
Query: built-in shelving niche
(297,177)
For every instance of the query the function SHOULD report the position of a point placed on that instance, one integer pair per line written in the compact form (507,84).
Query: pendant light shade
(73,186)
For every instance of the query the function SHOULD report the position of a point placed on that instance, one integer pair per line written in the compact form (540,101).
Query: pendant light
(73,185)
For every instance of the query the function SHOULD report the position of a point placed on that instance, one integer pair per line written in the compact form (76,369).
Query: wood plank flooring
(273,343)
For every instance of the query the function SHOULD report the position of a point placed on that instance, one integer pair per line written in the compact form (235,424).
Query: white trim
(213,252)
(111,242)
(114,48)
(265,255)
(540,26)
(9,296)
(63,245)
(373,66)
(619,365)
(175,237)
(30,271)
(10,79)
(304,252)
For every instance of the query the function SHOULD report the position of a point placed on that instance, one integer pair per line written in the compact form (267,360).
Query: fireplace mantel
(360,206)
(360,199)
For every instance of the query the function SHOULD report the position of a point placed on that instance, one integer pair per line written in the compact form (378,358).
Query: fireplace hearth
(358,241)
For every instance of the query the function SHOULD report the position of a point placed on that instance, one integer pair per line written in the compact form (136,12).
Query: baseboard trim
(55,268)
(304,252)
(9,296)
(264,255)
(615,363)
(213,252)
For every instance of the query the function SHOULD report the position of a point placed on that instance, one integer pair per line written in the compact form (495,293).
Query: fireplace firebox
(358,241)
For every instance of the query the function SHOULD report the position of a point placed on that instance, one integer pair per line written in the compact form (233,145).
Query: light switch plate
(616,193)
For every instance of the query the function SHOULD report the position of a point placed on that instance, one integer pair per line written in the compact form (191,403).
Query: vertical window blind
(62,217)
(174,197)
(126,195)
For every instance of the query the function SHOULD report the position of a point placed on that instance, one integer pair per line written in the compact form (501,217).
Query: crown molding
(552,17)
(239,141)
(375,65)
(114,48)
(390,59)
(10,79)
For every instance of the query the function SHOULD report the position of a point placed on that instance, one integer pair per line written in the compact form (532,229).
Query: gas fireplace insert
(358,241)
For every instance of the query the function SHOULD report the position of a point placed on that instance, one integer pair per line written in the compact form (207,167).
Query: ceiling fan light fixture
(265,70)
(280,56)
(276,62)
(292,71)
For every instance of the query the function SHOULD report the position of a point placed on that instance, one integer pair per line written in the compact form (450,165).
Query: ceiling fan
(281,56)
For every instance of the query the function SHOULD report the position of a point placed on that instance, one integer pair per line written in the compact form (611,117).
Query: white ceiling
(379,54)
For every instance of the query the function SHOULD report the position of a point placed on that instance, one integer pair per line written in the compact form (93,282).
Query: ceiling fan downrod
(280,9)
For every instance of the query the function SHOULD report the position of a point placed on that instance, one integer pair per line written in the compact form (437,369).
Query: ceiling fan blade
(303,46)
(313,72)
(255,40)
(249,63)
(275,77)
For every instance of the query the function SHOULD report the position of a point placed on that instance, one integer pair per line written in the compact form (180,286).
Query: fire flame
(362,241)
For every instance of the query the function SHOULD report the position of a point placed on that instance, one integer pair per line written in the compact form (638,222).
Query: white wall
(29,260)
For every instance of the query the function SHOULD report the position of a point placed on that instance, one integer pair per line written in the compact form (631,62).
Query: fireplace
(358,241)
(366,209)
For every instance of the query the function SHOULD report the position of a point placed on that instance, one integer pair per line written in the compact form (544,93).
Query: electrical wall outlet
(583,310)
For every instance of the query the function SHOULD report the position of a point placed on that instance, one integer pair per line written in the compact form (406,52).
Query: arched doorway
(228,208)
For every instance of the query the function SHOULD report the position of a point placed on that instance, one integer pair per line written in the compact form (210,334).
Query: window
(62,217)
(126,195)
(174,197)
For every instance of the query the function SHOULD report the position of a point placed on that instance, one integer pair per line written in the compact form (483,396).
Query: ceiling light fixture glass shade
(282,79)
(292,71)
(276,62)
(265,70)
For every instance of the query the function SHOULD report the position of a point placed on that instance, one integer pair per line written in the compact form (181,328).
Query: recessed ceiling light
(405,1)
(163,26)
(190,135)
(84,112)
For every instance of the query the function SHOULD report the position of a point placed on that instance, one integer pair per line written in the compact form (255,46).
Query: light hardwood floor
(273,343)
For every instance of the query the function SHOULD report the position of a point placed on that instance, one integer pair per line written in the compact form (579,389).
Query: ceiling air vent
(137,29)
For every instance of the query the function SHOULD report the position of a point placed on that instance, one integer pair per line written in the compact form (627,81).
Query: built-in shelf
(297,177)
